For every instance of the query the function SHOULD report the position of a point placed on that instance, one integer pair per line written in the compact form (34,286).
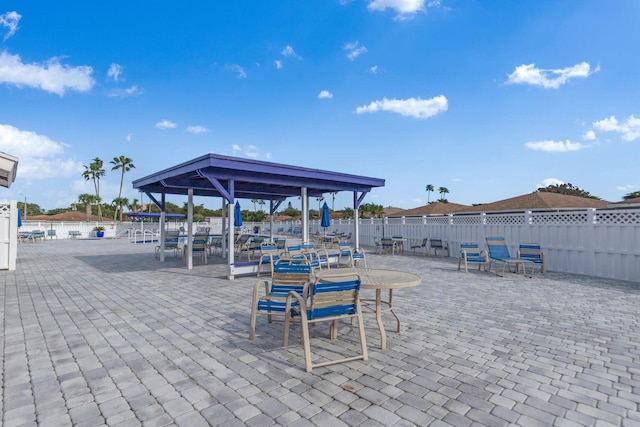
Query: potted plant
(99,230)
(256,229)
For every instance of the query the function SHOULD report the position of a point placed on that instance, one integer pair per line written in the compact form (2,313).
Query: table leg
(393,311)
(383,334)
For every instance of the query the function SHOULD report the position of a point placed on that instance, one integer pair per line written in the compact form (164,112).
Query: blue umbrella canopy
(325,221)
(237,216)
(19,218)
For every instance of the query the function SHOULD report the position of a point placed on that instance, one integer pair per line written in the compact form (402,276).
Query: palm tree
(87,200)
(333,200)
(261,203)
(254,201)
(429,189)
(134,205)
(94,172)
(119,202)
(125,164)
(443,191)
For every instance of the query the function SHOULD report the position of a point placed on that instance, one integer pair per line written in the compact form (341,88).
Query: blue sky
(490,99)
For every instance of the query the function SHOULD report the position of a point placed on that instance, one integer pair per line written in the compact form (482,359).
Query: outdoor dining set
(322,280)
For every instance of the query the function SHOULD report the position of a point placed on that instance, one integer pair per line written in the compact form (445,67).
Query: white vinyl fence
(600,243)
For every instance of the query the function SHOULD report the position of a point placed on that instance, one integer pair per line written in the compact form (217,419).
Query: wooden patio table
(380,280)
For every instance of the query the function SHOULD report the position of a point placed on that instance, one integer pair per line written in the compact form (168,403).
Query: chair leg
(363,338)
(307,345)
(252,324)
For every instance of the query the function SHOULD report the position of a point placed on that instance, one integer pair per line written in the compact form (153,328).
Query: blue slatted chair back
(288,277)
(345,248)
(329,299)
(471,252)
(531,252)
(498,248)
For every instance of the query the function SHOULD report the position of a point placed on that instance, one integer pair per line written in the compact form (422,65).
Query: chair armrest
(256,289)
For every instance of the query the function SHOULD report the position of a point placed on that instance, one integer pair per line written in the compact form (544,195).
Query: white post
(305,215)
(232,242)
(190,229)
(162,236)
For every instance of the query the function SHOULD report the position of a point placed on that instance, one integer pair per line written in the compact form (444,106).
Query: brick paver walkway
(98,332)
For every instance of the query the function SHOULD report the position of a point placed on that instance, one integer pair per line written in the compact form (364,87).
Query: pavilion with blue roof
(231,178)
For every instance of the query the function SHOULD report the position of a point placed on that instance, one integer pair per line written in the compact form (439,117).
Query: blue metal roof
(233,177)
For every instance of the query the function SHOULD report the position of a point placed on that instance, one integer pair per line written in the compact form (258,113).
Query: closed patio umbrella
(19,218)
(325,221)
(237,216)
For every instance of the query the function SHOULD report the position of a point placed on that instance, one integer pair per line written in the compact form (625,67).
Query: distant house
(390,211)
(539,200)
(629,203)
(66,216)
(438,208)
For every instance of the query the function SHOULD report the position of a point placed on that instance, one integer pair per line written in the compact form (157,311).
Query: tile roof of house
(391,211)
(65,216)
(437,208)
(539,200)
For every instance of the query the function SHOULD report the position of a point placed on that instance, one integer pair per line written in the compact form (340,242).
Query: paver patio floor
(98,332)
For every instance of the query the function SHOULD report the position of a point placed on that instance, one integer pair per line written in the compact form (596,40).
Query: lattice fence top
(617,217)
(5,209)
(505,219)
(467,220)
(559,218)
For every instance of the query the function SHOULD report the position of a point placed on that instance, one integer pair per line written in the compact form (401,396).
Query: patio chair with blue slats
(330,299)
(422,247)
(470,253)
(436,245)
(200,245)
(532,252)
(321,255)
(389,245)
(170,243)
(350,256)
(286,277)
(499,253)
(269,254)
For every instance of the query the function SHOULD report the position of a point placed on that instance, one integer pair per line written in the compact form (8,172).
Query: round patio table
(380,280)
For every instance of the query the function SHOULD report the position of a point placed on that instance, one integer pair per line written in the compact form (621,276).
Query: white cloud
(413,107)
(549,79)
(374,69)
(549,181)
(325,94)
(166,124)
(251,151)
(589,136)
(123,93)
(406,8)
(114,71)
(554,146)
(354,49)
(238,69)
(51,77)
(128,137)
(278,64)
(10,21)
(629,128)
(39,157)
(197,129)
(625,188)
(288,51)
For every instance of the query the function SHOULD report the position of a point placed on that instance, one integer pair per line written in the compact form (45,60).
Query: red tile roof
(539,200)
(437,208)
